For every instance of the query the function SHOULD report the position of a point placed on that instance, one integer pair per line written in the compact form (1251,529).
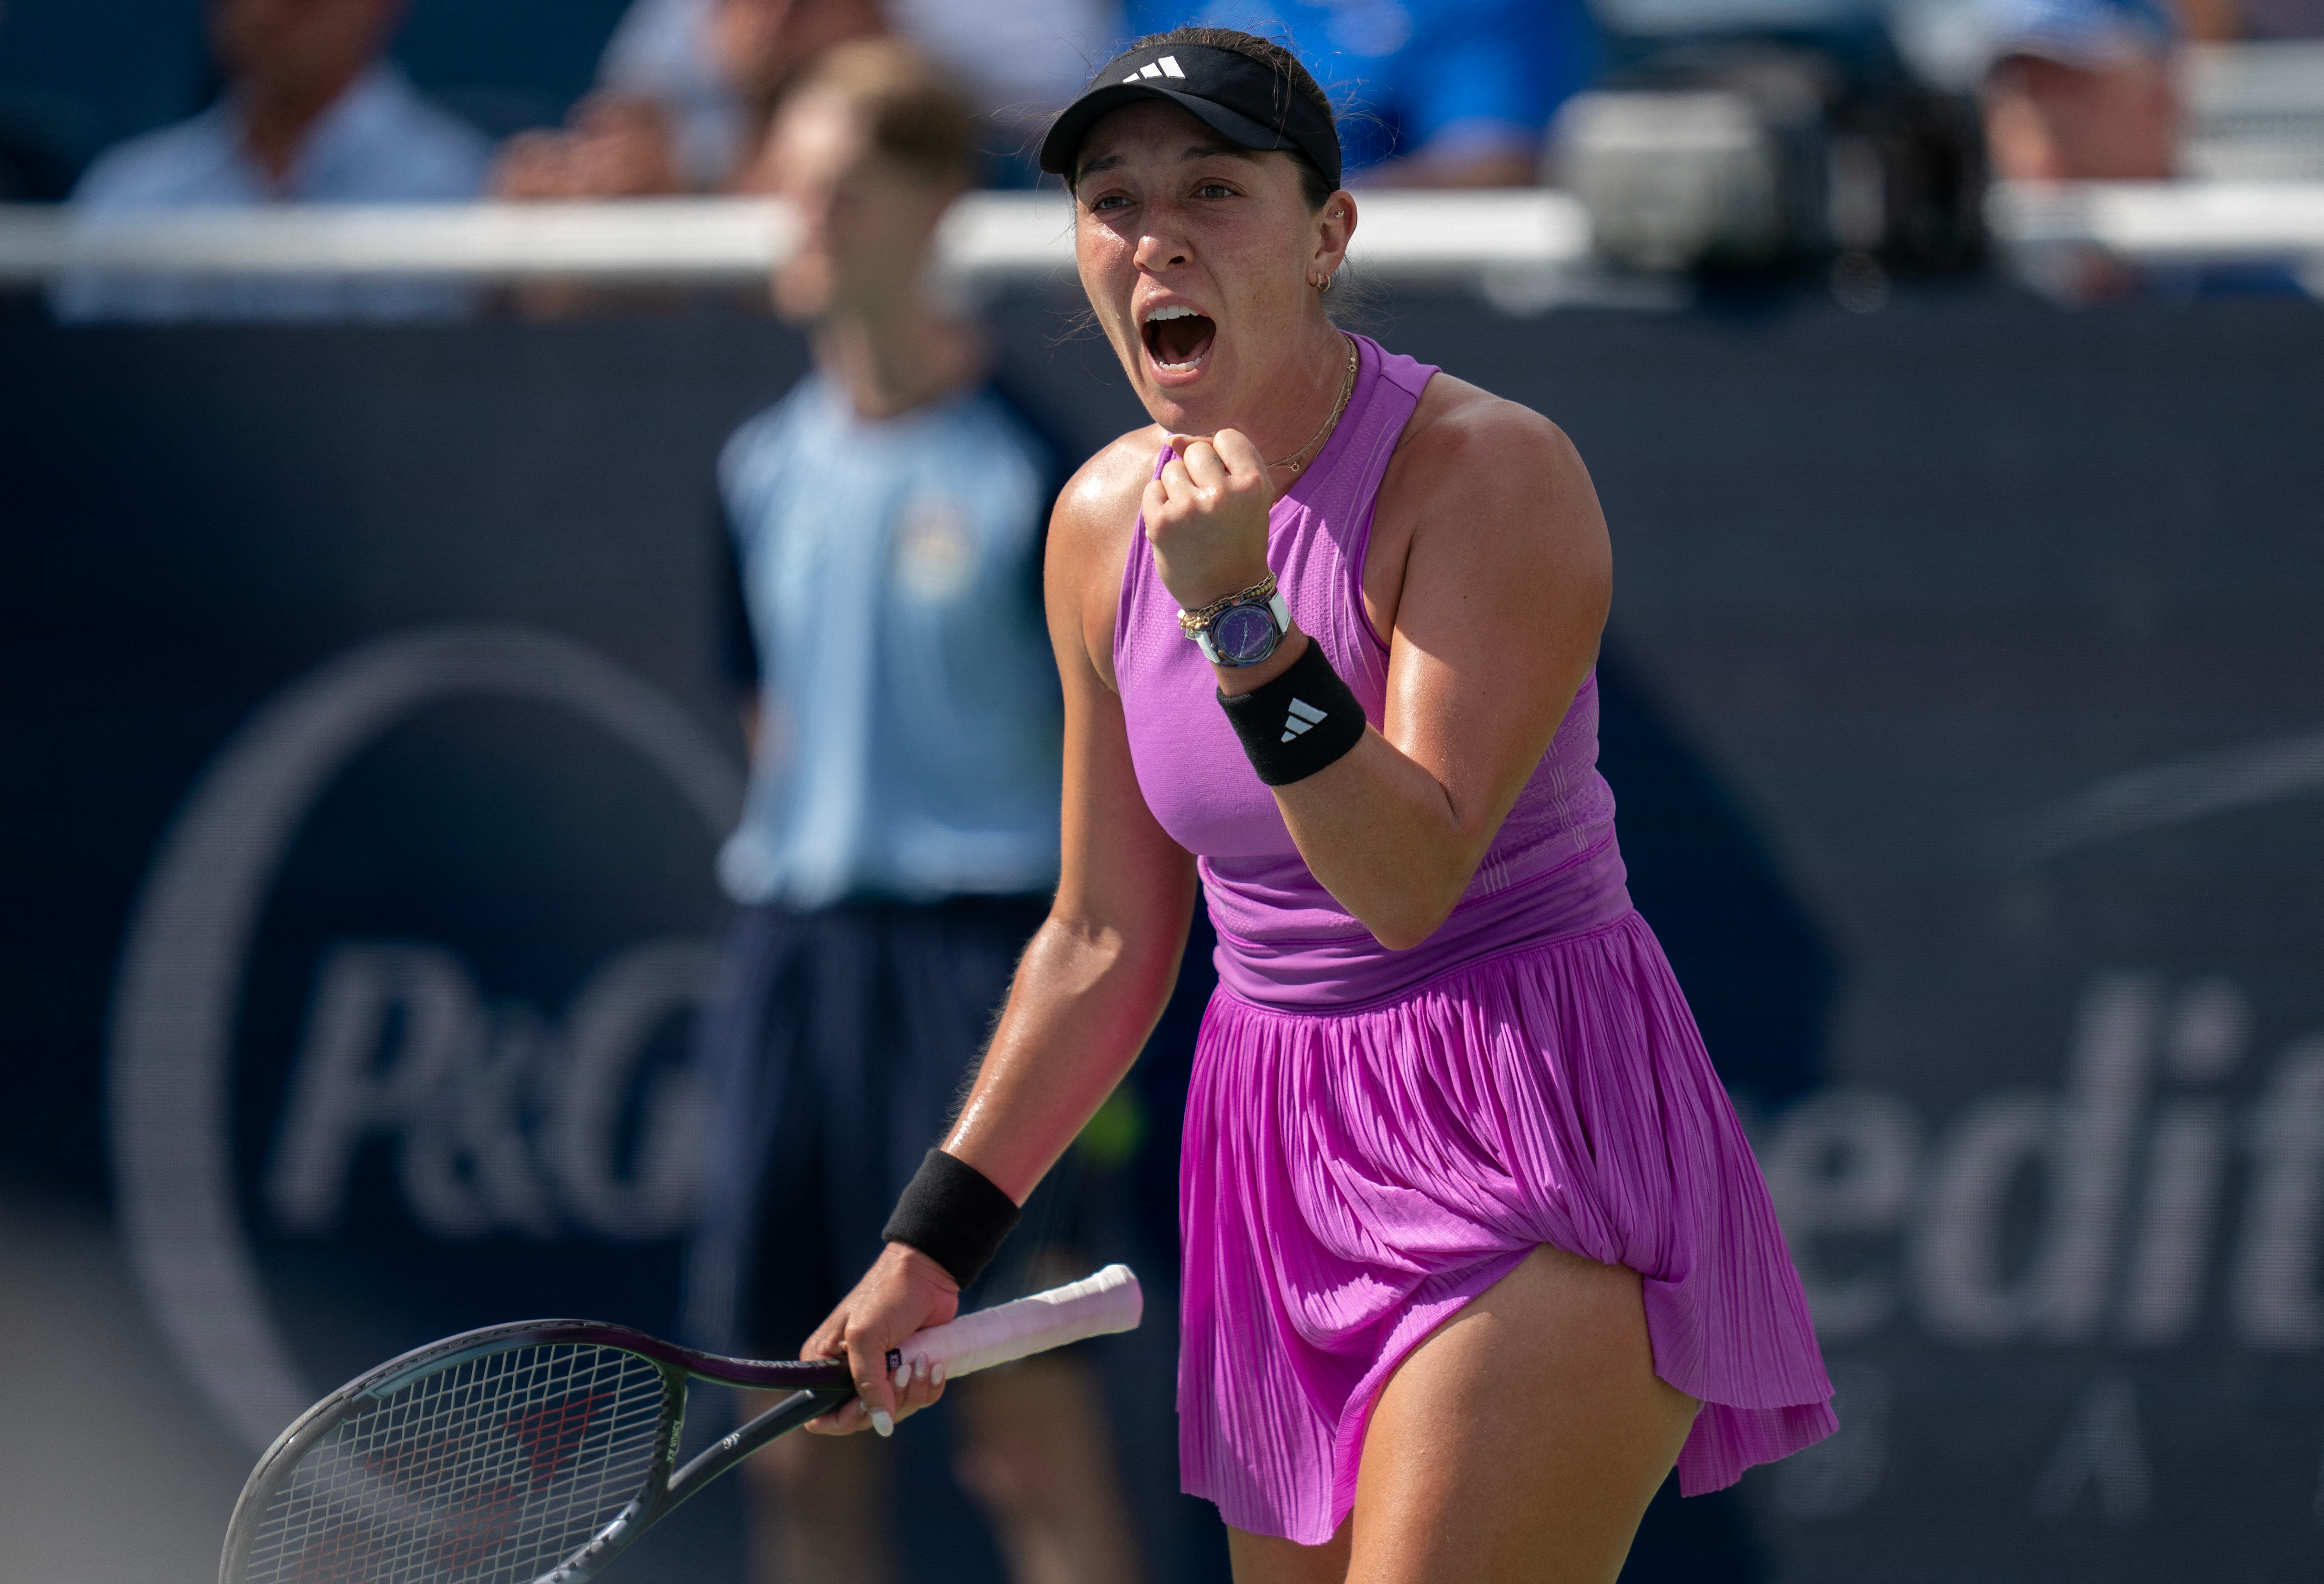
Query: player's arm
(1095,977)
(1502,601)
(1496,626)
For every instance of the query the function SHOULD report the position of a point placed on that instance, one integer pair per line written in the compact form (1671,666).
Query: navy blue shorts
(838,1043)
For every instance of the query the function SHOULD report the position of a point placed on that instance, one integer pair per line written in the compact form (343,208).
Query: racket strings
(489,1472)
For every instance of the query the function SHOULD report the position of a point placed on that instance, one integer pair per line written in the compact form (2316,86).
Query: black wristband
(952,1212)
(1301,722)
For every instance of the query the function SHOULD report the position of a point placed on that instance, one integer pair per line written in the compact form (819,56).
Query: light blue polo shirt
(379,143)
(910,723)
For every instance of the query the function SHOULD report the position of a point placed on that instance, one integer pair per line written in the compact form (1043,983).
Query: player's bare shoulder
(1467,454)
(1457,426)
(1490,493)
(1090,534)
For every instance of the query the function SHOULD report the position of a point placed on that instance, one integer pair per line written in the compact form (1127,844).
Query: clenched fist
(1206,517)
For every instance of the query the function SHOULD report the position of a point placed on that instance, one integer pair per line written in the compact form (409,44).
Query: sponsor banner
(470,1121)
(362,776)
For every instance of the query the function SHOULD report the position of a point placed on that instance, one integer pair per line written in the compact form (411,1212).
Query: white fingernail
(904,1376)
(935,1375)
(881,1423)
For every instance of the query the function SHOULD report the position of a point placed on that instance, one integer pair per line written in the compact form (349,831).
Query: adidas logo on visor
(1302,719)
(1165,66)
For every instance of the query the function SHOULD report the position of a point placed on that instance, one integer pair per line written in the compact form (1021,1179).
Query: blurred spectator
(2080,91)
(1022,60)
(883,524)
(312,113)
(765,46)
(2276,19)
(687,86)
(612,146)
(632,138)
(2222,21)
(1445,93)
(662,53)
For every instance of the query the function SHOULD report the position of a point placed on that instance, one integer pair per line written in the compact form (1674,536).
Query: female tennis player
(1474,1249)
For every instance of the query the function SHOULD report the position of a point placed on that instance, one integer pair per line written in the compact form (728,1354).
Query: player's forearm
(1377,829)
(1385,838)
(1085,998)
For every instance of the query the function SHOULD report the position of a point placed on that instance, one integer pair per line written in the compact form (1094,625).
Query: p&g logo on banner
(401,1013)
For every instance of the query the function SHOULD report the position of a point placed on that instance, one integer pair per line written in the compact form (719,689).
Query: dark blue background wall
(1963,708)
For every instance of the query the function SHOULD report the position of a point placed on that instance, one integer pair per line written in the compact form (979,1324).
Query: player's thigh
(1523,1439)
(1267,1559)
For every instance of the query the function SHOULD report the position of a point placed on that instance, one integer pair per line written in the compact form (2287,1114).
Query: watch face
(1244,635)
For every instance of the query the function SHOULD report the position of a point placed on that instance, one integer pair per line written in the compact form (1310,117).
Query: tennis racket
(535,1453)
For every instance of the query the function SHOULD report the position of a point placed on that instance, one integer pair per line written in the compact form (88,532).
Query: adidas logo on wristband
(1279,727)
(1302,719)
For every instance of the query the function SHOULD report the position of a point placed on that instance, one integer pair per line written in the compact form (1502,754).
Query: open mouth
(1176,337)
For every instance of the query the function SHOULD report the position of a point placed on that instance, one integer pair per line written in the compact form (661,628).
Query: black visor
(1245,101)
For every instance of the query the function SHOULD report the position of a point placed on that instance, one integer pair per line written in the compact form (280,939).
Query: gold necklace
(1298,460)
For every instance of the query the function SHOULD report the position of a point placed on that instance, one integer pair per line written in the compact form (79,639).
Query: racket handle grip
(1108,1301)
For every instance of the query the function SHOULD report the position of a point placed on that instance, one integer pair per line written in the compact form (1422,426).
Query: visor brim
(1073,125)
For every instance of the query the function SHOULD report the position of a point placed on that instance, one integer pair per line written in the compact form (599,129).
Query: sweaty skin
(1489,573)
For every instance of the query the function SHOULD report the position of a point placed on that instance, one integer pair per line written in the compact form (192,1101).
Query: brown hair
(915,116)
(1278,59)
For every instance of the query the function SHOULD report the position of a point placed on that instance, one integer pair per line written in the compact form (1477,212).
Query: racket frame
(813,1386)
(1108,1301)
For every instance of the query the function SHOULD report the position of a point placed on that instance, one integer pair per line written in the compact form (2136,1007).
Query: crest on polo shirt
(936,549)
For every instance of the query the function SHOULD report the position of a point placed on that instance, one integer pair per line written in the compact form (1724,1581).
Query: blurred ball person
(312,113)
(900,840)
(1443,93)
(2081,90)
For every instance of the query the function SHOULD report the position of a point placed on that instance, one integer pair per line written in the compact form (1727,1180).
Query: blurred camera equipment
(1721,146)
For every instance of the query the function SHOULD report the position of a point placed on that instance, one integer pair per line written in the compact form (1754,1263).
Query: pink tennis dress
(1374,1137)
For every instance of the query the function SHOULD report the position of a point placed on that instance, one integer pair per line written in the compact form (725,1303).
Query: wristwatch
(1242,630)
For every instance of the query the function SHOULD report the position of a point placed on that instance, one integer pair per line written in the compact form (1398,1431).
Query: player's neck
(891,362)
(1289,417)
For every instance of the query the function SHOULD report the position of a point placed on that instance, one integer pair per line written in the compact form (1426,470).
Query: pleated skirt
(1351,1179)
